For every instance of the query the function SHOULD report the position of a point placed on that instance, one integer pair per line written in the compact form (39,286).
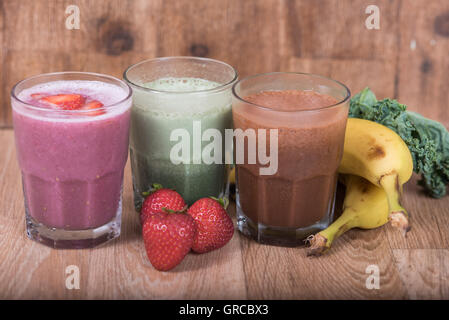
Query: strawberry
(65,101)
(37,96)
(159,199)
(94,104)
(168,237)
(215,227)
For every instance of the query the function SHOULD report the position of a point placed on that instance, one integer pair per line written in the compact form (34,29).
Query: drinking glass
(180,100)
(308,113)
(72,161)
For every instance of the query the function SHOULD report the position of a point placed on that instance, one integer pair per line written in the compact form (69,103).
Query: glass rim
(76,111)
(216,89)
(342,85)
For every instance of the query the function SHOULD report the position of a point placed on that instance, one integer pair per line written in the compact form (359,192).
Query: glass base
(278,236)
(73,239)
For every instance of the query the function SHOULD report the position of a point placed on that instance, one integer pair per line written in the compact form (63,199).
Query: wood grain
(412,268)
(382,72)
(424,272)
(326,37)
(336,29)
(242,33)
(287,273)
(423,71)
(323,36)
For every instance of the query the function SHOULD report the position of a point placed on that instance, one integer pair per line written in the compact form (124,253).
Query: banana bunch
(376,163)
(365,206)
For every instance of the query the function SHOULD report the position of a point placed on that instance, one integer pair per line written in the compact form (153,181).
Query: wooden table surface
(413,268)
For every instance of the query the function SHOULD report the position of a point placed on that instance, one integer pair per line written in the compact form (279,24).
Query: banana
(232,176)
(379,155)
(365,206)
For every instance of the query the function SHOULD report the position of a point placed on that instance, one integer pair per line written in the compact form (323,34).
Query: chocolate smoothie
(310,144)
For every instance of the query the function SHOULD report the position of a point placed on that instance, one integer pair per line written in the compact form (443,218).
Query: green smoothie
(177,103)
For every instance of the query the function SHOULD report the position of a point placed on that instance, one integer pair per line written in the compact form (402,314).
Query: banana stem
(398,216)
(322,241)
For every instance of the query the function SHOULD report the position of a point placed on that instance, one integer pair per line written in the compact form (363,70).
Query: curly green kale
(428,140)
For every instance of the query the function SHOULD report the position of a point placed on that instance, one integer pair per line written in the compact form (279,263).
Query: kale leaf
(428,140)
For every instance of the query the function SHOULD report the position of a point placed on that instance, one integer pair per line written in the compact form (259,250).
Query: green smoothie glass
(176,100)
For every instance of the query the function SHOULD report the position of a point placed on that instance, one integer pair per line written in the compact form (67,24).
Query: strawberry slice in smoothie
(70,101)
(64,101)
(94,105)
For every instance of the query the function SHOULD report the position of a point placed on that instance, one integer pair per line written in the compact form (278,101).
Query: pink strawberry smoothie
(72,159)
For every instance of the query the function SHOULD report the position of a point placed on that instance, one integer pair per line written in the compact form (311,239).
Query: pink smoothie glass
(72,161)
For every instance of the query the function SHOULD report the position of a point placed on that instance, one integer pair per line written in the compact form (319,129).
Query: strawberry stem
(175,211)
(223,201)
(154,188)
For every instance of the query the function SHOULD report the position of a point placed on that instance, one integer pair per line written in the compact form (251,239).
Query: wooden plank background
(406,59)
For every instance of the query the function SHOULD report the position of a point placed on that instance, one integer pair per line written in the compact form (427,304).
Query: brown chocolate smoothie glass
(309,114)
